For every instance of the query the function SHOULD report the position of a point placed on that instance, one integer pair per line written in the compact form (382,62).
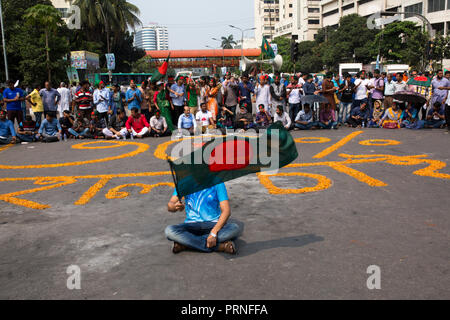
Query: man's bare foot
(177,248)
(228,247)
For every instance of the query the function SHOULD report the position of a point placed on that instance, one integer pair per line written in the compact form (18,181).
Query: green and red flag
(267,48)
(420,81)
(226,158)
(161,72)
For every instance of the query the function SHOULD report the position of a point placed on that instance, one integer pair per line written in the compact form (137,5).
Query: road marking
(337,145)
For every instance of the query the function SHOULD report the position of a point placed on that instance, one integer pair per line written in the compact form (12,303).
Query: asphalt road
(313,245)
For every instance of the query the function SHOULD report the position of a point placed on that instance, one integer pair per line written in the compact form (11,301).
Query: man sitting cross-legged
(206,227)
(137,124)
(305,119)
(117,128)
(50,130)
(97,125)
(80,128)
(158,125)
(7,132)
(28,130)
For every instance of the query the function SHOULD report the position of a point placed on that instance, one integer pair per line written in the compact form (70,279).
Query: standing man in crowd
(133,97)
(438,86)
(84,99)
(262,92)
(294,95)
(278,94)
(50,98)
(13,98)
(378,88)
(346,89)
(65,100)
(361,89)
(102,101)
(245,90)
(177,93)
(230,87)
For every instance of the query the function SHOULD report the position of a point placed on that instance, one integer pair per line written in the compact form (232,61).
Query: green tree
(49,18)
(402,42)
(441,48)
(228,42)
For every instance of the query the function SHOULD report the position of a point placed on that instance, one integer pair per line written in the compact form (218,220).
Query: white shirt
(284,118)
(204,117)
(65,100)
(263,96)
(361,91)
(294,97)
(158,124)
(447,102)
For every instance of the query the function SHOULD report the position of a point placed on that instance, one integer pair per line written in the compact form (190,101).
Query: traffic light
(430,49)
(294,51)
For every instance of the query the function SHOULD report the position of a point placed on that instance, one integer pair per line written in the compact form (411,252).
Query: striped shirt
(84,99)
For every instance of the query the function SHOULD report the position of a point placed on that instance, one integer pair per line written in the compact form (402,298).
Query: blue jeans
(293,110)
(344,112)
(328,126)
(38,118)
(26,137)
(194,235)
(76,134)
(435,124)
(7,140)
(305,126)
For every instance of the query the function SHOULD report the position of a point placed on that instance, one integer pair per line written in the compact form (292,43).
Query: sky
(192,24)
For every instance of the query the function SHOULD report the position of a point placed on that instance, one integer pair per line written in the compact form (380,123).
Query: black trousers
(176,113)
(354,123)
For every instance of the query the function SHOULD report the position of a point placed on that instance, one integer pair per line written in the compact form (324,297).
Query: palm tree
(227,42)
(120,14)
(48,17)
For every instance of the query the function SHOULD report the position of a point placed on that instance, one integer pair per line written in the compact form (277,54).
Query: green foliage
(228,42)
(402,42)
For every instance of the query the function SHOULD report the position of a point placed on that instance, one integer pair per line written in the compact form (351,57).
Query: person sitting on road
(205,117)
(328,118)
(409,117)
(263,118)
(283,117)
(7,132)
(378,110)
(137,124)
(50,130)
(158,125)
(305,119)
(435,117)
(244,119)
(80,128)
(392,117)
(28,130)
(117,126)
(206,227)
(187,121)
(66,122)
(358,116)
(97,125)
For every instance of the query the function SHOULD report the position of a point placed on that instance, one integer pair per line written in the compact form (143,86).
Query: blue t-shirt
(11,94)
(136,103)
(7,129)
(204,206)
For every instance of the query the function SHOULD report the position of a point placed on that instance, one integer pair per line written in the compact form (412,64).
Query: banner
(72,74)
(110,61)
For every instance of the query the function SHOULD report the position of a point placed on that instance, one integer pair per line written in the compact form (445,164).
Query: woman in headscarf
(211,93)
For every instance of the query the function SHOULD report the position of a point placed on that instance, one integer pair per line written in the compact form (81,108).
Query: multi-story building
(152,37)
(299,19)
(63,7)
(267,14)
(436,11)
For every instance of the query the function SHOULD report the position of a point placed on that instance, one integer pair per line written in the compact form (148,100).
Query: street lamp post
(4,43)
(108,45)
(214,69)
(242,38)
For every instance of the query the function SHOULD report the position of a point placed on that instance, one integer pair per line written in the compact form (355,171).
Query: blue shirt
(243,92)
(204,206)
(7,129)
(12,94)
(136,103)
(186,122)
(50,99)
(358,112)
(51,128)
(177,100)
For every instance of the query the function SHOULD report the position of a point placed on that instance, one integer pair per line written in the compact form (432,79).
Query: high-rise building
(299,19)
(267,14)
(63,7)
(436,11)
(152,37)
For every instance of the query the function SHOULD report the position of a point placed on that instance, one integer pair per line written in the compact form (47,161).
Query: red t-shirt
(137,124)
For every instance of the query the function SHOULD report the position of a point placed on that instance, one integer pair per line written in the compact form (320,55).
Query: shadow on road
(247,249)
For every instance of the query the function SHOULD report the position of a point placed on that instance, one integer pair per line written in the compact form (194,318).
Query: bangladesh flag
(227,158)
(162,71)
(267,48)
